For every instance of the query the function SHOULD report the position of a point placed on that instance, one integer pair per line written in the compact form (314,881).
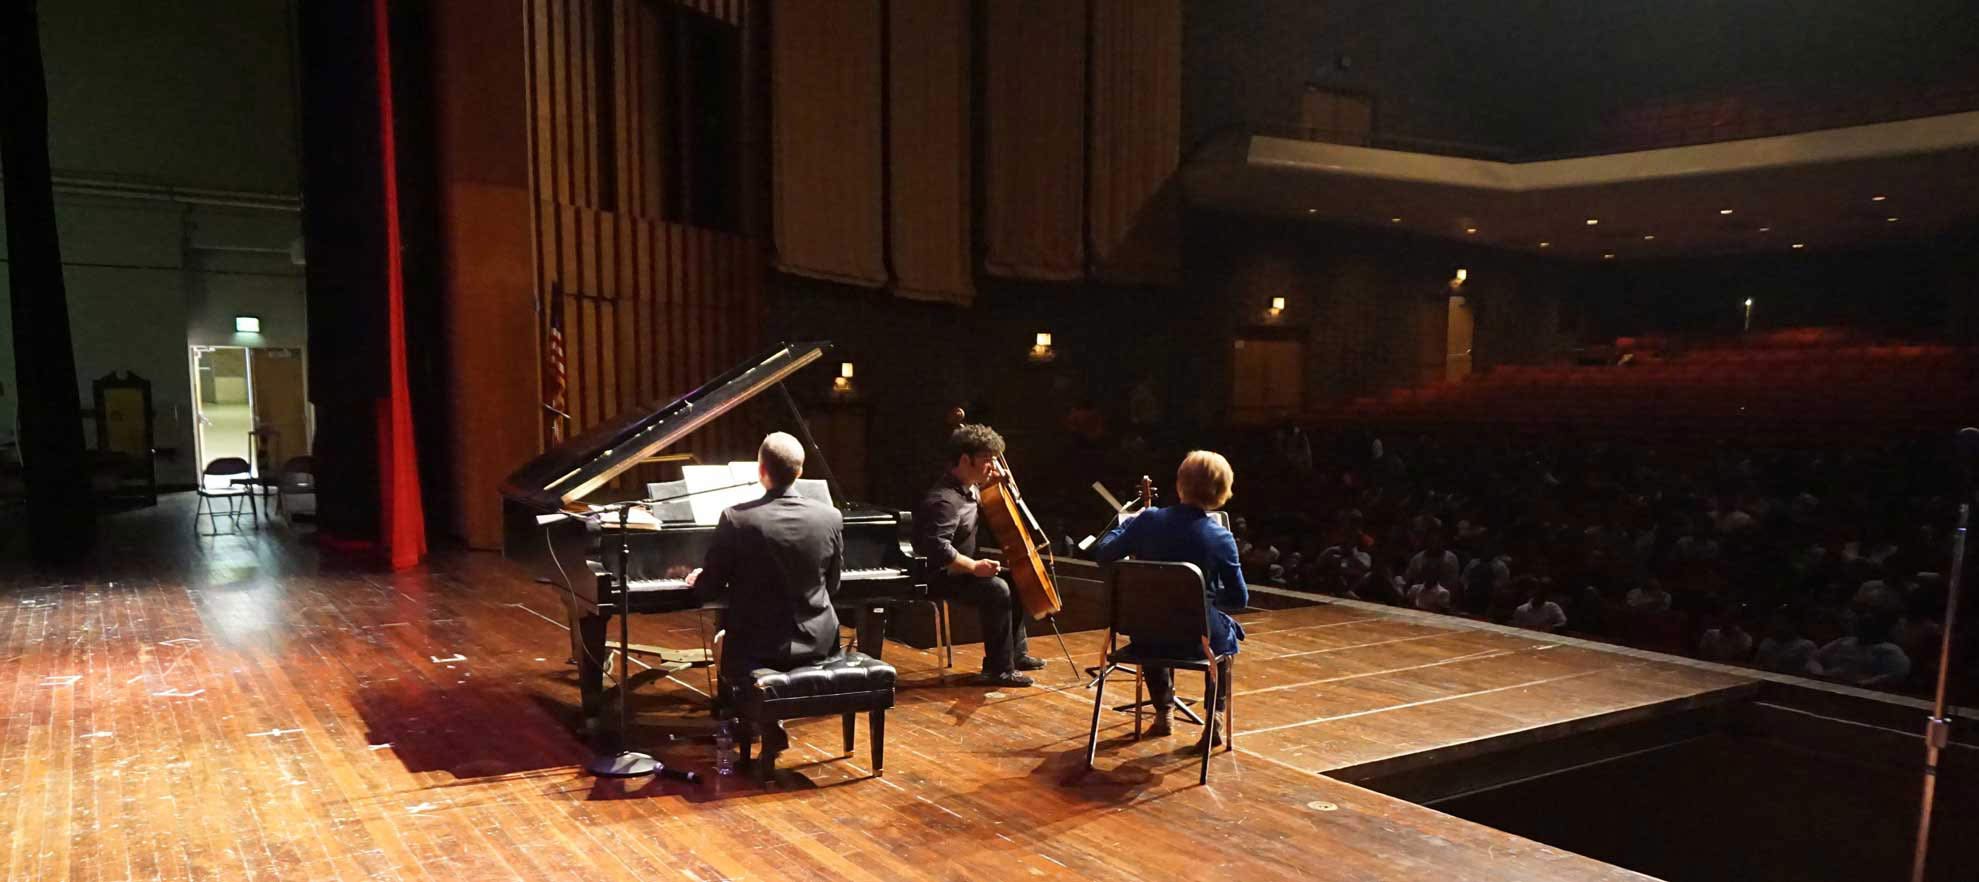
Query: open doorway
(249,403)
(1462,330)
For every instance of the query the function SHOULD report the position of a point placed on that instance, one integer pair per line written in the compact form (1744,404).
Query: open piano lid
(562,475)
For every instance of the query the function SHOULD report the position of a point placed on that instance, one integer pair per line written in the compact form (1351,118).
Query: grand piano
(554,529)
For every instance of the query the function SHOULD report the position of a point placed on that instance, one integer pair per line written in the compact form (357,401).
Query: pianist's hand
(693,576)
(985,568)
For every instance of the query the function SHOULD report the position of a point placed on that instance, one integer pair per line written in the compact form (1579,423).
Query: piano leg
(872,628)
(571,613)
(590,632)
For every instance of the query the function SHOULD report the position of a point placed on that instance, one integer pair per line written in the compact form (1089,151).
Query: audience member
(1783,650)
(1539,613)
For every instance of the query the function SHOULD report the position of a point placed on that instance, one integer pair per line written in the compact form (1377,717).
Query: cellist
(945,533)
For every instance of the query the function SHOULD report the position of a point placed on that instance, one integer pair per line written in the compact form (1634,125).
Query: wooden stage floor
(231,709)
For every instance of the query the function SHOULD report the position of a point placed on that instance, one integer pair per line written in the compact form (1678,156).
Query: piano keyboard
(857,574)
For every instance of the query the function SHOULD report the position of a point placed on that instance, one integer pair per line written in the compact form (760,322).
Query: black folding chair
(221,479)
(1162,604)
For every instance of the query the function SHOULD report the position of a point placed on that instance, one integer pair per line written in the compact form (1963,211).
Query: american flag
(557,382)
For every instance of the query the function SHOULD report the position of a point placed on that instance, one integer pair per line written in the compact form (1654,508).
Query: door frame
(247,357)
(193,351)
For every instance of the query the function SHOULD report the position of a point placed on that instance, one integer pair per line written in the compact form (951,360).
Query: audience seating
(1802,386)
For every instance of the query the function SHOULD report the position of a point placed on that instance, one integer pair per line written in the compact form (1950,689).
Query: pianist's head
(779,461)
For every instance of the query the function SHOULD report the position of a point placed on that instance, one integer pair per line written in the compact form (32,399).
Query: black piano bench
(844,685)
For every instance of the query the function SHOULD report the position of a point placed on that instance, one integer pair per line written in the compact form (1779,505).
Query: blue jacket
(1184,533)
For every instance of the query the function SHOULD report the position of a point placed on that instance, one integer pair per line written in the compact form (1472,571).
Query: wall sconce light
(842,384)
(1463,275)
(1041,350)
(1277,305)
(247,324)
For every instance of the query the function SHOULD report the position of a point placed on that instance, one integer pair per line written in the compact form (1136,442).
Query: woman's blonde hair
(1204,479)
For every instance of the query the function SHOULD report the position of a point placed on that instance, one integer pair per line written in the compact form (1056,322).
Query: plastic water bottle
(725,748)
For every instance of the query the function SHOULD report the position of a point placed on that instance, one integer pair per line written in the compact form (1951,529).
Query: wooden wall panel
(1135,140)
(827,154)
(487,112)
(1034,139)
(649,308)
(584,119)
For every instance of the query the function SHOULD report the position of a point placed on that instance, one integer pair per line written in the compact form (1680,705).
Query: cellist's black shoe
(1030,663)
(1007,680)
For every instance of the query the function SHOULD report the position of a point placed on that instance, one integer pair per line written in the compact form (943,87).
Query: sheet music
(636,517)
(814,488)
(675,509)
(1109,497)
(707,480)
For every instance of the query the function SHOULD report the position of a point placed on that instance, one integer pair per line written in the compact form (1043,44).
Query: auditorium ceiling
(1826,190)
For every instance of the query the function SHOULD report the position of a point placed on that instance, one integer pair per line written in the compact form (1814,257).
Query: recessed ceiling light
(1649,238)
(1890,220)
(1800,244)
(1545,244)
(1609,256)
(1877,198)
(1724,211)
(1394,220)
(1765,229)
(1469,230)
(1312,211)
(1593,220)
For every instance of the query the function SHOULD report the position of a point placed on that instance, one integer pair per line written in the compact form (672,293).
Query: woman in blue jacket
(1186,533)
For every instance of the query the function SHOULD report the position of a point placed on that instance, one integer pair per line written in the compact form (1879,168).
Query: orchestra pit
(966,439)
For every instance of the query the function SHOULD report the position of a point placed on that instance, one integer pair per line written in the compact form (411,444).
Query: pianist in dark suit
(776,561)
(945,534)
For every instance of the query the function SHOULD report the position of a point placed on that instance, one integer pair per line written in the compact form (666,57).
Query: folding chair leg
(948,633)
(945,641)
(1139,700)
(1229,701)
(1209,731)
(1099,703)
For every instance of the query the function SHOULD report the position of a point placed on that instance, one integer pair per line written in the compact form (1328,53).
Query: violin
(1011,522)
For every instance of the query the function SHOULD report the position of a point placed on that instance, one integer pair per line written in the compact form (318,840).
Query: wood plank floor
(233,709)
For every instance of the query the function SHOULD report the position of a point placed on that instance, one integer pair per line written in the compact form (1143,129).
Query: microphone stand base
(624,764)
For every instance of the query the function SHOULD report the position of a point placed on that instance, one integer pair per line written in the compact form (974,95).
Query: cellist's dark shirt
(945,524)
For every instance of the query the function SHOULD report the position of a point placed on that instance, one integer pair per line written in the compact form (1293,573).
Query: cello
(1011,522)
